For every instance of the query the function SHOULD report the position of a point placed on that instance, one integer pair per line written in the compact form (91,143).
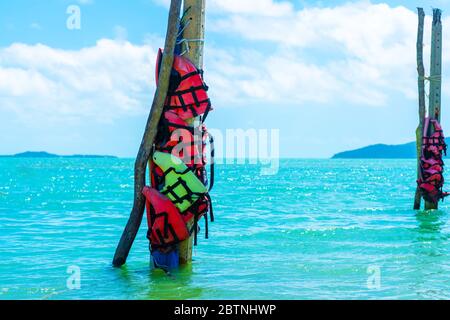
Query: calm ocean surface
(313,231)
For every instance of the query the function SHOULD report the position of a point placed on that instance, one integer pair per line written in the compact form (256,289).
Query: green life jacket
(181,185)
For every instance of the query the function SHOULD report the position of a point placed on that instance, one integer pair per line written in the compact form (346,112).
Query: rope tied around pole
(435,78)
(182,40)
(186,43)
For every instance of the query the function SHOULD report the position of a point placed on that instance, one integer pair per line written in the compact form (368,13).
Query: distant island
(382,151)
(43,154)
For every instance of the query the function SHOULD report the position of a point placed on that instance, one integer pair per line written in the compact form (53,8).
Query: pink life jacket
(431,180)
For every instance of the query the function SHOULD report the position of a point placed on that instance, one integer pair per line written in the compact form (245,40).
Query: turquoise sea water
(316,230)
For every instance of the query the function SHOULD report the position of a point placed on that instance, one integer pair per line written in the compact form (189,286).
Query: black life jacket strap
(211,212)
(171,190)
(191,74)
(178,126)
(177,199)
(191,90)
(160,237)
(195,229)
(165,232)
(213,152)
(206,228)
(208,109)
(174,170)
(190,107)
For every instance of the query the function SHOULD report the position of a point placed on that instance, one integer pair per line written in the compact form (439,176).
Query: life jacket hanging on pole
(166,225)
(431,179)
(183,141)
(187,94)
(181,185)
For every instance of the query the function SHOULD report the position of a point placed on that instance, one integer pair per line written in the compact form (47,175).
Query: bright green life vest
(181,184)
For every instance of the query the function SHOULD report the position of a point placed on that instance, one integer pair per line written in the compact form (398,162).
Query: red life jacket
(172,121)
(189,147)
(166,225)
(187,95)
(188,143)
(431,180)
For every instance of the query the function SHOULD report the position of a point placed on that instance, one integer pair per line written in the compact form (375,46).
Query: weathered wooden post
(434,104)
(134,222)
(421,88)
(194,34)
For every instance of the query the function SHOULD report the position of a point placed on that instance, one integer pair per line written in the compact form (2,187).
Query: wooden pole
(434,106)
(436,67)
(421,89)
(134,222)
(194,34)
(195,31)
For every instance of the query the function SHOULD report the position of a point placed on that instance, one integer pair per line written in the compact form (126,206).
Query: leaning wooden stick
(134,222)
(194,33)
(434,105)
(421,87)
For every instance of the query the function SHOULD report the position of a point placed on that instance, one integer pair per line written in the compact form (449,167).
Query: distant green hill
(382,151)
(43,154)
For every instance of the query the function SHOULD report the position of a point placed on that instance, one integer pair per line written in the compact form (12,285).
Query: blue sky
(331,75)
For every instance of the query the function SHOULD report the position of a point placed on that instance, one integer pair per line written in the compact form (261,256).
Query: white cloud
(250,76)
(359,52)
(106,81)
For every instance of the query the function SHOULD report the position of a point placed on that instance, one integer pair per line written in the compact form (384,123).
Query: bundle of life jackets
(179,193)
(431,179)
